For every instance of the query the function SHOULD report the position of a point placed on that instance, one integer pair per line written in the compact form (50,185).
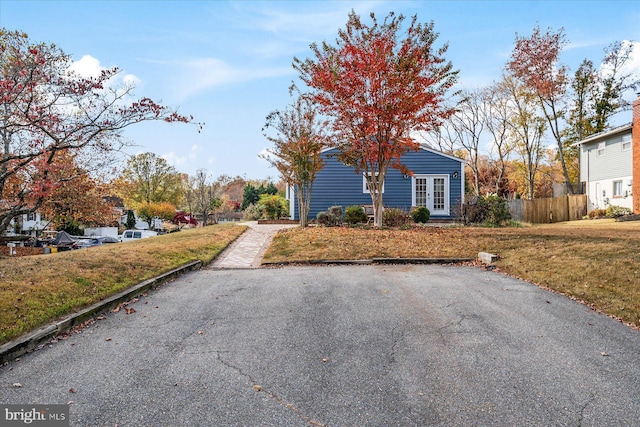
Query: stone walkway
(247,251)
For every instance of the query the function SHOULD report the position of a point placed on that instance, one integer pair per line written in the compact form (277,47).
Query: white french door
(431,191)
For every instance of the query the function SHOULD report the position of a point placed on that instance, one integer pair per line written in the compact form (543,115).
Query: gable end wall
(338,184)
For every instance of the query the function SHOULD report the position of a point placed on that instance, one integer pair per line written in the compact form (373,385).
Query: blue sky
(229,63)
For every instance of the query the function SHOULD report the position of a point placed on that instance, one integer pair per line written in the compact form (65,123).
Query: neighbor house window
(626,143)
(365,188)
(617,188)
(601,146)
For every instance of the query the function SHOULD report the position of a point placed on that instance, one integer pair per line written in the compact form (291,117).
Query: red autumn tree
(378,83)
(47,110)
(535,61)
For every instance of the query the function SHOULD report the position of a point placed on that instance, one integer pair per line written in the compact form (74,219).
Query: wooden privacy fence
(548,210)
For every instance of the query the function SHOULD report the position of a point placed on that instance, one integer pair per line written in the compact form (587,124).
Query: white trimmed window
(617,188)
(365,188)
(601,146)
(626,143)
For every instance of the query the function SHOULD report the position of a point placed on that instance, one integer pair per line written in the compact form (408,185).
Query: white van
(129,235)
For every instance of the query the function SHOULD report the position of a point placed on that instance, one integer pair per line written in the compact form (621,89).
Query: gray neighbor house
(437,183)
(610,166)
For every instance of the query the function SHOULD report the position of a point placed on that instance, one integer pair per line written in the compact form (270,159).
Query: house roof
(605,134)
(422,147)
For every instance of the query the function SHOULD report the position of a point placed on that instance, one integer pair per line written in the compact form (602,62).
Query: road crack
(396,337)
(260,389)
(584,407)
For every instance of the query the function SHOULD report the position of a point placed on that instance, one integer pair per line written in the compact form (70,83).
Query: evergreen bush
(323,218)
(420,215)
(355,214)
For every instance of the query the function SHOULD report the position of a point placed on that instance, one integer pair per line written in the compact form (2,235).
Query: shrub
(498,210)
(252,213)
(273,206)
(617,211)
(420,215)
(474,210)
(323,218)
(597,213)
(335,212)
(491,210)
(355,214)
(394,217)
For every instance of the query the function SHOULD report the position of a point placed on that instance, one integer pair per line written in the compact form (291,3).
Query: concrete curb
(370,261)
(34,339)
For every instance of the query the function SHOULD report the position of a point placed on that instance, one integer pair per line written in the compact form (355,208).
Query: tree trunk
(378,209)
(303,206)
(375,184)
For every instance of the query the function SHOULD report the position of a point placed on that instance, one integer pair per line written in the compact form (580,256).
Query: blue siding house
(437,183)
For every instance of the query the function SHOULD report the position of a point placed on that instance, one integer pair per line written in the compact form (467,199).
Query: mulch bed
(21,251)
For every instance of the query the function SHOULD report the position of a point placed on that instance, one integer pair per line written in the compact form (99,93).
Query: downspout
(588,178)
(462,181)
(292,202)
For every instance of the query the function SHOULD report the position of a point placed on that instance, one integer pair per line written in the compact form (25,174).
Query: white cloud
(182,159)
(131,80)
(206,73)
(87,67)
(265,153)
(633,64)
(306,23)
(173,159)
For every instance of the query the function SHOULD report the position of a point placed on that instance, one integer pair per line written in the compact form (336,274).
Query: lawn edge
(32,340)
(368,261)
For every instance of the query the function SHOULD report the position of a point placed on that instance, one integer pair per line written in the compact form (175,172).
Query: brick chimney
(635,135)
(635,147)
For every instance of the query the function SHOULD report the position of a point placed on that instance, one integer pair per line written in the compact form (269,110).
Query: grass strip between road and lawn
(594,261)
(38,289)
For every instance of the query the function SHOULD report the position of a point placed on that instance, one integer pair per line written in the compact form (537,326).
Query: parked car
(129,235)
(86,243)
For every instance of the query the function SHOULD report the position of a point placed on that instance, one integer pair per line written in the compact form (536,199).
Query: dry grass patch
(596,261)
(342,243)
(35,290)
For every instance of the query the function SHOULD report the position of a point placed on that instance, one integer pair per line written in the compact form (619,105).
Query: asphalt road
(341,346)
